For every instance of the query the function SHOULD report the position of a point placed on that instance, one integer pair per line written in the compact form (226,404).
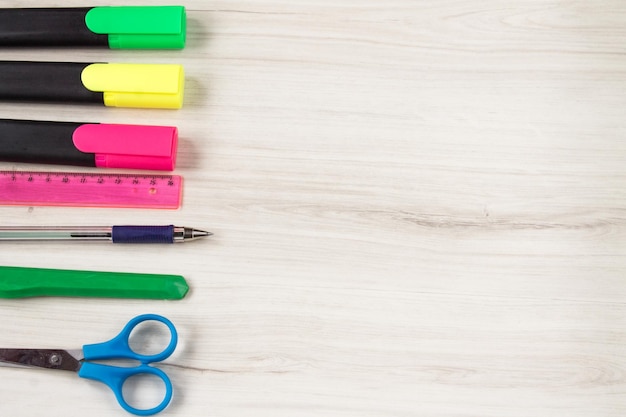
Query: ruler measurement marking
(90,189)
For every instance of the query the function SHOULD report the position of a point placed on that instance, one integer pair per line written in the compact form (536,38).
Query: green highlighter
(19,282)
(116,27)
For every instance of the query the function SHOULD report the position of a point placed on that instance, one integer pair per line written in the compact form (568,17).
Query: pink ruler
(31,188)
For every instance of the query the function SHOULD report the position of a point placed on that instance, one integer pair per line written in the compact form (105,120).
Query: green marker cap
(18,282)
(140,27)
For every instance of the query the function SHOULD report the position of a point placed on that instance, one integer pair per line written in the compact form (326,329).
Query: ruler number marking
(89,189)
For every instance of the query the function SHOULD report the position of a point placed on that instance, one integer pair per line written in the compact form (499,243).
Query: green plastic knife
(19,282)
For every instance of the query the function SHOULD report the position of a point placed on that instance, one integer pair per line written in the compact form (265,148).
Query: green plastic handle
(19,282)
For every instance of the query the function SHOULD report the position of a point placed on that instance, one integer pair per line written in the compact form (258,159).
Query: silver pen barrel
(55,233)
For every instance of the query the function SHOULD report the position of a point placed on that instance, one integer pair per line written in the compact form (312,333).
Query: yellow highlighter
(156,86)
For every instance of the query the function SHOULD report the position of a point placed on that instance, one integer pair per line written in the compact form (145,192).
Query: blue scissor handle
(114,377)
(119,348)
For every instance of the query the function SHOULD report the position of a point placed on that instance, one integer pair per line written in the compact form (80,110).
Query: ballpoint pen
(115,234)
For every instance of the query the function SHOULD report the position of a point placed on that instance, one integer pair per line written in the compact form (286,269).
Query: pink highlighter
(89,144)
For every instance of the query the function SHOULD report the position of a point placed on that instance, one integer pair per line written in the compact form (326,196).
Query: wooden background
(419,209)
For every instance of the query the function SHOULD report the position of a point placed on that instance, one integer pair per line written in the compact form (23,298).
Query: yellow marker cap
(157,86)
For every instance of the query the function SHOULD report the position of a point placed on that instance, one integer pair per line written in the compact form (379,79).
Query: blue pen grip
(143,234)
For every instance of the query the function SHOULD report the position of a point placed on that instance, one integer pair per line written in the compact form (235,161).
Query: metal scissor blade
(40,358)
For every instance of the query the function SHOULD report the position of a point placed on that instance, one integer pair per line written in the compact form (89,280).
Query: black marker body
(41,142)
(45,81)
(48,27)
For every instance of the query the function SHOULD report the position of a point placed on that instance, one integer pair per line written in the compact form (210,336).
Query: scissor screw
(55,359)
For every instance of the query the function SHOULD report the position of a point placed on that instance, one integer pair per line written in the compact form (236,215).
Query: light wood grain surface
(419,209)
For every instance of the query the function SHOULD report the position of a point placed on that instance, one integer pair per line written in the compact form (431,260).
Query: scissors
(113,376)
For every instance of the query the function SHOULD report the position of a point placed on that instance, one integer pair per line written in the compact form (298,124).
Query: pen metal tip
(197,234)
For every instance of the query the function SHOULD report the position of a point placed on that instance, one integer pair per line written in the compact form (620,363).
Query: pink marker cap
(129,146)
